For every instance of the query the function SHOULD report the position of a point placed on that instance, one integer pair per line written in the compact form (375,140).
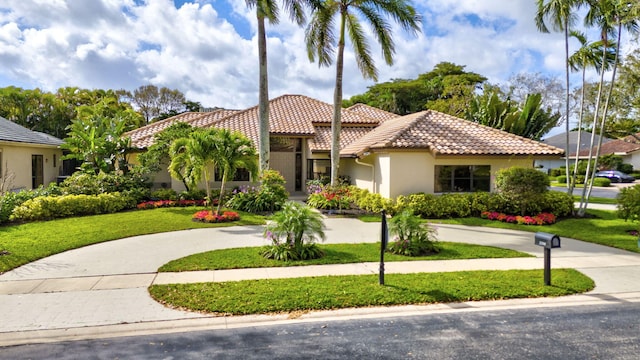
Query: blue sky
(207,48)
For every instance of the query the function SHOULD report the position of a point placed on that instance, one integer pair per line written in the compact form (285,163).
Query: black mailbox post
(548,241)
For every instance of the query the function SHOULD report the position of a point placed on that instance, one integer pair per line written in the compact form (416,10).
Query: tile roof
(372,112)
(12,132)
(446,135)
(618,147)
(322,140)
(144,136)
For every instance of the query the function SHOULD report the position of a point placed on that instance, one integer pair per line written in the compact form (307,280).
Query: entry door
(37,171)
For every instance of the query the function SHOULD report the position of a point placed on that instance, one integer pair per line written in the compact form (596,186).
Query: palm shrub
(269,196)
(293,232)
(412,237)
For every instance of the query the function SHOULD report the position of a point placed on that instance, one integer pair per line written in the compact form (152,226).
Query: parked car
(615,176)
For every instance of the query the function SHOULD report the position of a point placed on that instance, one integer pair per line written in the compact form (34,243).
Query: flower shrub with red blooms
(207,216)
(169,203)
(540,219)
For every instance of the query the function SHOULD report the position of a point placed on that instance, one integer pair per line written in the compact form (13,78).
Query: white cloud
(208,49)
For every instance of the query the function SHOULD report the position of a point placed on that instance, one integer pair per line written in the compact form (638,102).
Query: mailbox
(546,240)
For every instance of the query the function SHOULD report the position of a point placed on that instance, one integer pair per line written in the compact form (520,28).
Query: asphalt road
(581,332)
(609,192)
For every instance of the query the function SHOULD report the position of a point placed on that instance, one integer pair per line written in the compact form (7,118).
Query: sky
(207,49)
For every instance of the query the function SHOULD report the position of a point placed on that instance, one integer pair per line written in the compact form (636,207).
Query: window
(55,160)
(241,175)
(317,169)
(465,178)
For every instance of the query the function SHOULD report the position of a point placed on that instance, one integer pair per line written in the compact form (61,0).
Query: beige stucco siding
(16,160)
(411,172)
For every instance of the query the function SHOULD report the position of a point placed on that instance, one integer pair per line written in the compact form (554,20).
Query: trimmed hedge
(603,182)
(51,207)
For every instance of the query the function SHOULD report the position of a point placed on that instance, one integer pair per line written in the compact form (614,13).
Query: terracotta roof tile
(444,134)
(614,147)
(372,112)
(322,140)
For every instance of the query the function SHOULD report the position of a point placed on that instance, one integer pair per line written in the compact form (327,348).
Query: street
(610,331)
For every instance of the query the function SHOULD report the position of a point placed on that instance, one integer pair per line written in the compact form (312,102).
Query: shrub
(540,219)
(603,182)
(522,186)
(269,196)
(625,168)
(10,200)
(330,197)
(164,194)
(580,179)
(207,216)
(195,194)
(50,207)
(293,232)
(557,172)
(133,185)
(154,204)
(558,203)
(412,237)
(374,203)
(562,179)
(629,203)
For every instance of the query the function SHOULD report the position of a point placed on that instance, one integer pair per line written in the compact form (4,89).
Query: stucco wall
(16,159)
(403,173)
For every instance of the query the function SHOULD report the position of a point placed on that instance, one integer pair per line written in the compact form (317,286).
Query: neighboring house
(560,140)
(628,148)
(28,158)
(381,151)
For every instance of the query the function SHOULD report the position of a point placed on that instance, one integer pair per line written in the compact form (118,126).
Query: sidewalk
(101,290)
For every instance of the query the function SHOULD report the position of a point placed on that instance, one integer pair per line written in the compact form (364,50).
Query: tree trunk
(566,114)
(336,123)
(575,165)
(263,98)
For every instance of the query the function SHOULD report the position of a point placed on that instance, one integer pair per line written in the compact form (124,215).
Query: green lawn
(335,292)
(32,241)
(249,257)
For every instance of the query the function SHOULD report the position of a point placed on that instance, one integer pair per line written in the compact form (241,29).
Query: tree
(193,159)
(522,187)
(268,10)
(521,85)
(233,151)
(321,42)
(561,14)
(151,159)
(610,16)
(95,137)
(154,103)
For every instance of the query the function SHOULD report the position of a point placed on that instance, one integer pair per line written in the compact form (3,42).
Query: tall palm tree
(268,10)
(233,151)
(194,158)
(588,56)
(321,41)
(562,16)
(610,16)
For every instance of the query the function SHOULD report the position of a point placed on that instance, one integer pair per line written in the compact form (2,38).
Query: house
(628,148)
(381,151)
(28,158)
(560,141)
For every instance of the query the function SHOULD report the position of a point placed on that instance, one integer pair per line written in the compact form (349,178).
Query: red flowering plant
(169,203)
(330,197)
(208,216)
(540,219)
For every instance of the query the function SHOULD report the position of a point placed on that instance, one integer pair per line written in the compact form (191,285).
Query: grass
(249,257)
(32,241)
(335,292)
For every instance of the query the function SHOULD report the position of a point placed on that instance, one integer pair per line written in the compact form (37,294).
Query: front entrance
(37,171)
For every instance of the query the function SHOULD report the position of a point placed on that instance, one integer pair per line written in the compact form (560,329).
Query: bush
(293,232)
(131,184)
(330,197)
(50,207)
(195,194)
(10,200)
(603,182)
(524,187)
(557,172)
(208,216)
(561,179)
(580,179)
(269,196)
(412,237)
(629,203)
(625,168)
(557,203)
(164,194)
(373,203)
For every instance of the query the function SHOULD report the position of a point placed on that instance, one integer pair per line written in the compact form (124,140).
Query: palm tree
(268,10)
(232,151)
(321,41)
(587,56)
(561,14)
(611,16)
(193,158)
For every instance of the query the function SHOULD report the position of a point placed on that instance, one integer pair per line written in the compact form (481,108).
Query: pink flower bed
(540,219)
(169,203)
(208,216)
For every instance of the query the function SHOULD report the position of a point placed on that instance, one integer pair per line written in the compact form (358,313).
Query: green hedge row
(50,207)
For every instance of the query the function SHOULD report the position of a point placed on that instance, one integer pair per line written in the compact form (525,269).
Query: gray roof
(585,140)
(10,131)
